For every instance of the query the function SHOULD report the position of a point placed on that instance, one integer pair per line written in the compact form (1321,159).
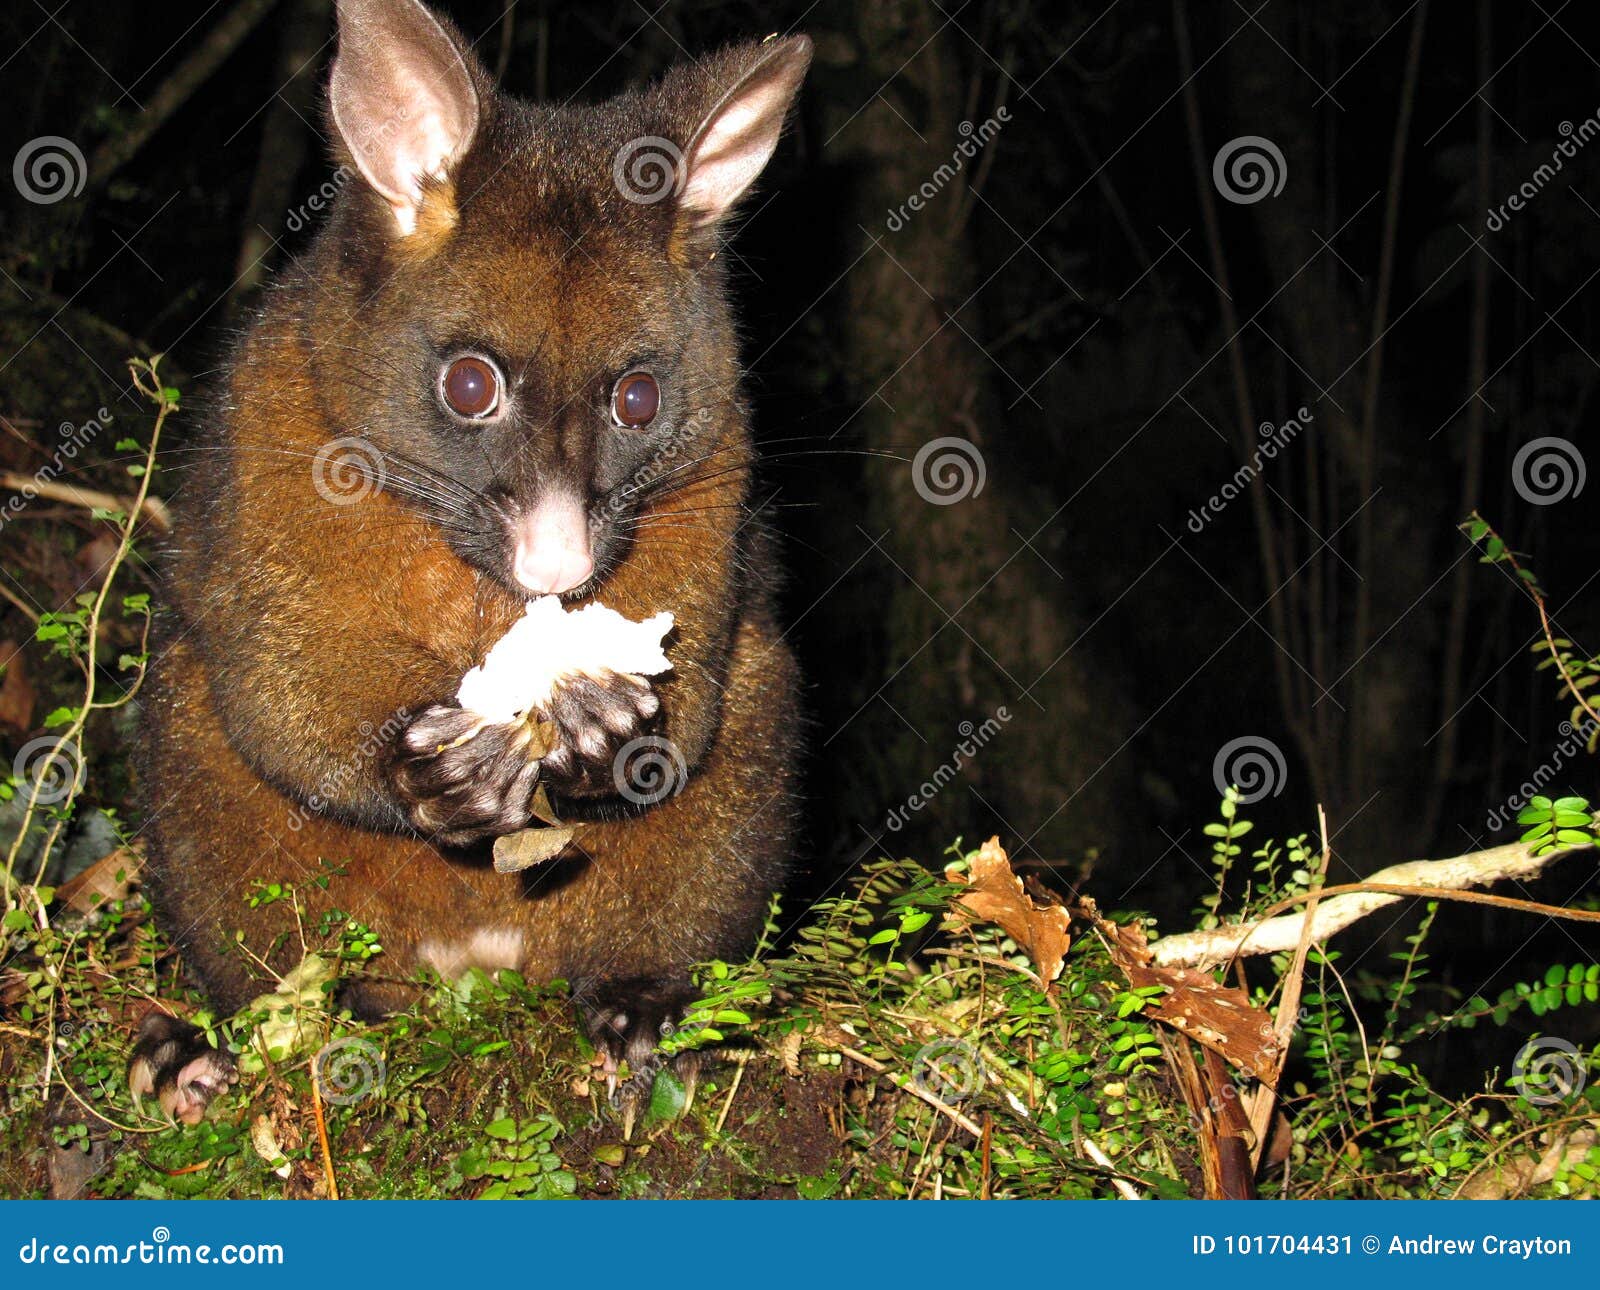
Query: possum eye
(636,400)
(470,387)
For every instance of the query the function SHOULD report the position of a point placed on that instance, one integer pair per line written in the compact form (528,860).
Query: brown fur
(299,629)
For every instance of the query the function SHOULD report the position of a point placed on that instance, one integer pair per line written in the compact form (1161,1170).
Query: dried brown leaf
(514,852)
(16,690)
(1036,921)
(112,877)
(1220,1017)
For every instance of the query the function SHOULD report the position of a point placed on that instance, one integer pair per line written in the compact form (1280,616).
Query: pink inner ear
(402,98)
(735,149)
(738,138)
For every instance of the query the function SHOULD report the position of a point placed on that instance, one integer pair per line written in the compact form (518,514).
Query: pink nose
(552,547)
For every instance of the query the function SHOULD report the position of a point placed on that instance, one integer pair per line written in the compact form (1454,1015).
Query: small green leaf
(667,1097)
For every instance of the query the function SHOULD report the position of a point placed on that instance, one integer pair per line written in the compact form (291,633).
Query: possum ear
(736,138)
(403,99)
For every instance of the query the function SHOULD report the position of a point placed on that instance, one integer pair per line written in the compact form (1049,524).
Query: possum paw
(598,720)
(462,781)
(627,1020)
(172,1060)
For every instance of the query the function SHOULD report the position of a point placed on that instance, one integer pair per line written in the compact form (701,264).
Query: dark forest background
(1080,302)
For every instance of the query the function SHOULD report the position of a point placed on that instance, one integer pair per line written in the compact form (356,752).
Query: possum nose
(552,548)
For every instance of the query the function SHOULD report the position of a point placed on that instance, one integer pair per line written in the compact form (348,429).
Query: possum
(506,369)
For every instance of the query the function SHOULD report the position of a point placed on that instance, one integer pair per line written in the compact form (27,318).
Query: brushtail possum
(505,369)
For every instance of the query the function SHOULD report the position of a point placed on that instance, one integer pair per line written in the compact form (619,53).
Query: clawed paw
(462,779)
(172,1060)
(597,721)
(627,1020)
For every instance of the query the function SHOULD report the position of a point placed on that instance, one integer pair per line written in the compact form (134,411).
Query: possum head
(529,339)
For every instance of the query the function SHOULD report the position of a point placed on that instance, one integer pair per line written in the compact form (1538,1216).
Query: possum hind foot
(172,1060)
(626,1021)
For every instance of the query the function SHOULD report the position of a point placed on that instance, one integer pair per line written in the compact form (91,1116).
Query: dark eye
(636,400)
(471,387)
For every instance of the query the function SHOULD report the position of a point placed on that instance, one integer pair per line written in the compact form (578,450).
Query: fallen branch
(225,36)
(88,498)
(1340,906)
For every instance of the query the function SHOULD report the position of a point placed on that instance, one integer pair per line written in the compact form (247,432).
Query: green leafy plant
(1552,825)
(519,1158)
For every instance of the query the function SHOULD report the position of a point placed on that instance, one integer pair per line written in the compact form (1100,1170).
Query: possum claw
(172,1060)
(461,779)
(595,719)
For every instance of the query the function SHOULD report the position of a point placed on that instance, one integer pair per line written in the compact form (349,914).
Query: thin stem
(148,382)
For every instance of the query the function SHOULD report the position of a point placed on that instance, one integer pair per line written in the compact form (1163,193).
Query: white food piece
(547,643)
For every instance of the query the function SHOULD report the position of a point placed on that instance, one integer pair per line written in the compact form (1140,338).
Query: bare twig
(19,603)
(63,751)
(322,1130)
(1125,1189)
(1265,1097)
(733,1089)
(88,498)
(908,1086)
(1527,583)
(176,88)
(1424,879)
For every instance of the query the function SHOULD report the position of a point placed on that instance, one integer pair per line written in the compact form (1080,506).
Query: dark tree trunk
(974,620)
